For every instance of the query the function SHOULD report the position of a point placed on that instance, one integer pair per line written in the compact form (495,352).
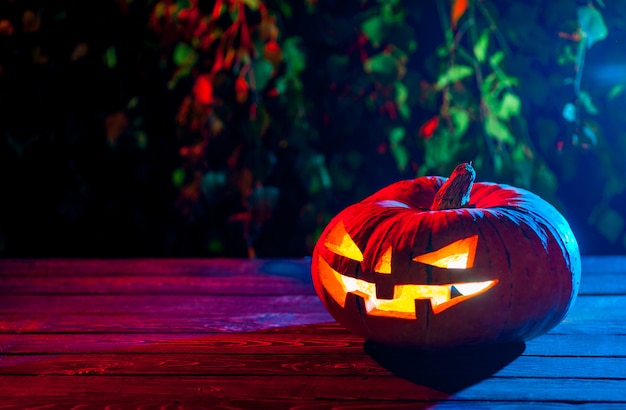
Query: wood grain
(309,387)
(358,364)
(199,333)
(308,339)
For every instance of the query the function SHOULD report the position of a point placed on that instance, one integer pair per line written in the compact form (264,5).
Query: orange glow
(402,305)
(340,242)
(458,255)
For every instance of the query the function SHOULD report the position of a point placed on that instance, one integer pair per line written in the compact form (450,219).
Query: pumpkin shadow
(450,371)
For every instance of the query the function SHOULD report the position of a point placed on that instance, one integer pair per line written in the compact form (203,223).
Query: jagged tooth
(454,292)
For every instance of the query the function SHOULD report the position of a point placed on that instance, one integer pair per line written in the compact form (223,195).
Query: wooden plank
(152,322)
(253,343)
(190,364)
(295,364)
(218,267)
(603,283)
(209,306)
(605,264)
(517,405)
(590,315)
(156,322)
(183,388)
(579,345)
(152,313)
(244,284)
(126,402)
(601,314)
(327,338)
(215,387)
(169,349)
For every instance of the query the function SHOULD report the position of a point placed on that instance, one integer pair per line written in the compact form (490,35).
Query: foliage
(493,83)
(240,127)
(240,115)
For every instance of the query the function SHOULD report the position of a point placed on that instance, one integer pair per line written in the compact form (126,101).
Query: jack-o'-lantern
(437,263)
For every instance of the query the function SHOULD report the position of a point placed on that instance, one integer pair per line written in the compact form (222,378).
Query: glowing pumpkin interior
(458,255)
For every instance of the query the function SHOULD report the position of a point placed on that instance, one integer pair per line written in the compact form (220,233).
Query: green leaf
(178,177)
(454,73)
(396,135)
(402,93)
(401,155)
(285,8)
(496,58)
(441,152)
(405,111)
(615,91)
(481,46)
(398,150)
(373,29)
(293,56)
(488,84)
(110,57)
(509,106)
(519,154)
(263,70)
(588,105)
(460,121)
(178,74)
(401,97)
(142,139)
(497,130)
(592,24)
(184,54)
(380,64)
(442,51)
(215,246)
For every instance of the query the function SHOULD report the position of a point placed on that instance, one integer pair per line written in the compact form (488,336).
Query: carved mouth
(402,305)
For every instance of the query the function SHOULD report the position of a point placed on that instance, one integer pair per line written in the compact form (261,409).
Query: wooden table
(201,333)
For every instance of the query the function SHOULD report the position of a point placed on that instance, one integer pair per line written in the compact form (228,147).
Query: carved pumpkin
(439,263)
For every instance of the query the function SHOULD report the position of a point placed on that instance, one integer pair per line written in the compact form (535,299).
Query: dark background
(109,145)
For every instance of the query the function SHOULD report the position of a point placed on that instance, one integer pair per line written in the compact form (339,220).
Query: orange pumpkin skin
(525,250)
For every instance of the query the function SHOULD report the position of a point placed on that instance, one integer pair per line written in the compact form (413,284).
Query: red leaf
(6,28)
(241,90)
(114,125)
(217,10)
(428,128)
(203,89)
(458,9)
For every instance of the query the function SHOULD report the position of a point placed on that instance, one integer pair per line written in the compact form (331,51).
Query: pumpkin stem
(455,192)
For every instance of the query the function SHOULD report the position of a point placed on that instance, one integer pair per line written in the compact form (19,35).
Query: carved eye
(340,242)
(457,255)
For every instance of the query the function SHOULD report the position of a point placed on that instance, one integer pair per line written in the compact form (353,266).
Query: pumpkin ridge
(505,322)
